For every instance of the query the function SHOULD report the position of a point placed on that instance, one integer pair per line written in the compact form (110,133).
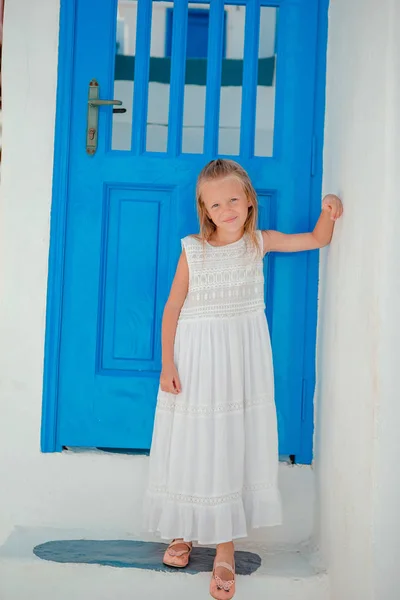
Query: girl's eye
(234,199)
(214,206)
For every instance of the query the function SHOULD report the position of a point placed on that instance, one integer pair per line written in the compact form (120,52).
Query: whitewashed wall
(358,408)
(357,441)
(71,490)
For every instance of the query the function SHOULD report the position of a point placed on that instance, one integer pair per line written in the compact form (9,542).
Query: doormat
(136,555)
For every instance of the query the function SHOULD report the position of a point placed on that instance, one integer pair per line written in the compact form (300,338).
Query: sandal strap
(176,542)
(172,552)
(225,566)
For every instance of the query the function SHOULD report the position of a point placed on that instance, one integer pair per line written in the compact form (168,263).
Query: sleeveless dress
(213,466)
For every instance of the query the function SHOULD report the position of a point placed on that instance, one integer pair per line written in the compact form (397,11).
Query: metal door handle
(99,102)
(93,115)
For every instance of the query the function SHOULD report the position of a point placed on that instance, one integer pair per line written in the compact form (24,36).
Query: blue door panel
(126,212)
(134,279)
(132,285)
(197,43)
(197,33)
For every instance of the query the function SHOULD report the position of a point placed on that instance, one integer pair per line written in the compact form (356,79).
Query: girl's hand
(333,205)
(169,379)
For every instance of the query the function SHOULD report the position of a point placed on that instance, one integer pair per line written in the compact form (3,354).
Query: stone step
(283,572)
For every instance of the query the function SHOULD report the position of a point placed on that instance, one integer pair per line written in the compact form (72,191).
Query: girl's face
(226,203)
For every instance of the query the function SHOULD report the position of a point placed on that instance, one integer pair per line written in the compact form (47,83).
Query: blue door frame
(50,441)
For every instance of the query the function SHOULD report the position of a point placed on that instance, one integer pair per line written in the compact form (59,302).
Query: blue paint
(214,72)
(250,72)
(136,555)
(197,28)
(305,454)
(292,275)
(55,283)
(197,42)
(169,16)
(117,219)
(142,68)
(178,71)
(276,32)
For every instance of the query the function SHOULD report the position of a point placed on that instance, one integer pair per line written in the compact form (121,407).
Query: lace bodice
(224,281)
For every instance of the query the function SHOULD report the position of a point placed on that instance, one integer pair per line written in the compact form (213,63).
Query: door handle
(94,102)
(98,102)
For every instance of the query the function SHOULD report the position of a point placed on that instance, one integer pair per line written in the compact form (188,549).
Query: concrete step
(68,491)
(285,572)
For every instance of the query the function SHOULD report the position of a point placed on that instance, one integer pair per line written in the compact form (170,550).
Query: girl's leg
(223,579)
(225,553)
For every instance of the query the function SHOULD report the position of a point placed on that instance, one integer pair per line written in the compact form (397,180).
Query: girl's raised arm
(332,209)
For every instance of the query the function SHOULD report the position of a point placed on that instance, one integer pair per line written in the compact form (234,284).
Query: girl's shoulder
(193,240)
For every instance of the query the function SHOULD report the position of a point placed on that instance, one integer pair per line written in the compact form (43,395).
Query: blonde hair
(219,169)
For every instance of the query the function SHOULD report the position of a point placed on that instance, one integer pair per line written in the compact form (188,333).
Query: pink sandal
(220,589)
(177,558)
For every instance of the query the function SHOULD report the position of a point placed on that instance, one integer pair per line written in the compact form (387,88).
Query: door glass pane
(265,108)
(195,78)
(232,81)
(124,74)
(159,77)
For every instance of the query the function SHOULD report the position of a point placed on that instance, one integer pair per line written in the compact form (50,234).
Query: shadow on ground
(136,555)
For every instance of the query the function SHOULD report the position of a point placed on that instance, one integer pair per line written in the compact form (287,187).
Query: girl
(214,455)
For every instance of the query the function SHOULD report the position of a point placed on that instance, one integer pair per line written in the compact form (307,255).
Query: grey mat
(136,555)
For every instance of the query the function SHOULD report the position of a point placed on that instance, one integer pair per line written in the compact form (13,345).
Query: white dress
(214,457)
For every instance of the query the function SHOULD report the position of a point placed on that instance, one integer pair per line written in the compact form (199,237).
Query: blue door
(197,32)
(120,209)
(198,23)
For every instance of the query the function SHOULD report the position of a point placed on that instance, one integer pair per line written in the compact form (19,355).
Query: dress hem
(212,524)
(157,533)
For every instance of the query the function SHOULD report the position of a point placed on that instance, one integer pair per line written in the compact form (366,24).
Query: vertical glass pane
(159,77)
(265,108)
(232,81)
(124,73)
(195,78)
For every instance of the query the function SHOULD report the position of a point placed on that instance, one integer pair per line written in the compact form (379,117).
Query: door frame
(58,223)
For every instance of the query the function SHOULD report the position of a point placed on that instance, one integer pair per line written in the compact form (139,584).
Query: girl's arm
(332,209)
(169,379)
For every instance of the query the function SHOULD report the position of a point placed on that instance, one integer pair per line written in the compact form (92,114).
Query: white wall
(358,411)
(357,441)
(88,490)
(358,418)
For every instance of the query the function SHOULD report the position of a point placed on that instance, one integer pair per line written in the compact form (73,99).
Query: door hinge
(313,155)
